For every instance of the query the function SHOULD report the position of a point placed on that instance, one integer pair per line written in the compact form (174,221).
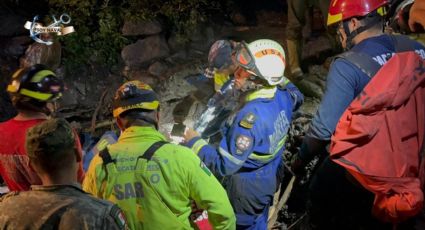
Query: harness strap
(403,43)
(366,63)
(362,61)
(106,156)
(152,149)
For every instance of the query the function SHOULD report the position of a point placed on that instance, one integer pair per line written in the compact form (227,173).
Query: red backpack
(379,139)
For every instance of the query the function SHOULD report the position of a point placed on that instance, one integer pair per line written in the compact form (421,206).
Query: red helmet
(340,10)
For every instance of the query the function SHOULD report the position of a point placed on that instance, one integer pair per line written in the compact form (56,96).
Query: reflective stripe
(229,156)
(142,105)
(267,157)
(40,75)
(334,18)
(383,10)
(197,146)
(286,81)
(267,92)
(36,95)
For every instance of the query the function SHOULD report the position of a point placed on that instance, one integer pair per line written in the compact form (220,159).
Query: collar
(145,132)
(266,92)
(75,186)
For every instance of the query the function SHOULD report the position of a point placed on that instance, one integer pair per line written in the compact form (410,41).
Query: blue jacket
(260,127)
(250,151)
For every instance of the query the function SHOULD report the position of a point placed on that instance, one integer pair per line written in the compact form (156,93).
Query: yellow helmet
(134,95)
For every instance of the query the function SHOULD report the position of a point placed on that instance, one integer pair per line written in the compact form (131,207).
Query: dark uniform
(58,207)
(294,28)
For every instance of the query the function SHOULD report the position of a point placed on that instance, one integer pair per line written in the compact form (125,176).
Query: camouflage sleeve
(115,219)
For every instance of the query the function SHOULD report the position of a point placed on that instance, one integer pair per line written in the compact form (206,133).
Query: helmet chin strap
(151,121)
(351,35)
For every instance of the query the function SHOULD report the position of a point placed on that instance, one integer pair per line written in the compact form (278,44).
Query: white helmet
(263,58)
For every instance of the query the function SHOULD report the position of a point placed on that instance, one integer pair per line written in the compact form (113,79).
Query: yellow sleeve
(94,177)
(210,195)
(219,80)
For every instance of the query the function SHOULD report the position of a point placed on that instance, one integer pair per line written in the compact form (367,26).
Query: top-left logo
(37,29)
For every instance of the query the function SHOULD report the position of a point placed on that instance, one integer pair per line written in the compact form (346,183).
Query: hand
(189,134)
(297,165)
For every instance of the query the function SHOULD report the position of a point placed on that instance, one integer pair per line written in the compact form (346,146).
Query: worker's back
(157,193)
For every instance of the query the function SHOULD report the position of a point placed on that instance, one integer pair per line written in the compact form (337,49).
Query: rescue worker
(294,28)
(33,91)
(221,65)
(59,203)
(337,199)
(221,68)
(151,180)
(249,155)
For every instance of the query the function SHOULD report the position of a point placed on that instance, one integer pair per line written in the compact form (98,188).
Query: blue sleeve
(235,147)
(342,84)
(296,95)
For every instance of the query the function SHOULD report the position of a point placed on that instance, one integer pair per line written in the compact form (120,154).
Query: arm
(94,177)
(114,219)
(235,147)
(340,92)
(209,195)
(80,173)
(297,96)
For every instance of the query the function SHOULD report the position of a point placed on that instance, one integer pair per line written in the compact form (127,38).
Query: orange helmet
(340,10)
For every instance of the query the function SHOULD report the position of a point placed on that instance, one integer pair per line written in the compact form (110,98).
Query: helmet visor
(245,59)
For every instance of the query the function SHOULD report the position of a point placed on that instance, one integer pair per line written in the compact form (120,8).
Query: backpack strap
(403,43)
(366,63)
(152,149)
(106,156)
(362,61)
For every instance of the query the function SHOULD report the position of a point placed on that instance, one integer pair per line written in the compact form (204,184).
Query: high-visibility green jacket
(157,194)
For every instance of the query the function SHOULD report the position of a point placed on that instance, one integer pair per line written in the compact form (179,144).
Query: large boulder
(14,47)
(176,43)
(143,76)
(144,51)
(158,68)
(202,38)
(141,28)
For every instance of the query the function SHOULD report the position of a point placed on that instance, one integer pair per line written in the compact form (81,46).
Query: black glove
(297,165)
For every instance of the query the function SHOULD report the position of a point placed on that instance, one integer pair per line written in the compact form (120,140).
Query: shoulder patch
(119,217)
(248,121)
(243,143)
